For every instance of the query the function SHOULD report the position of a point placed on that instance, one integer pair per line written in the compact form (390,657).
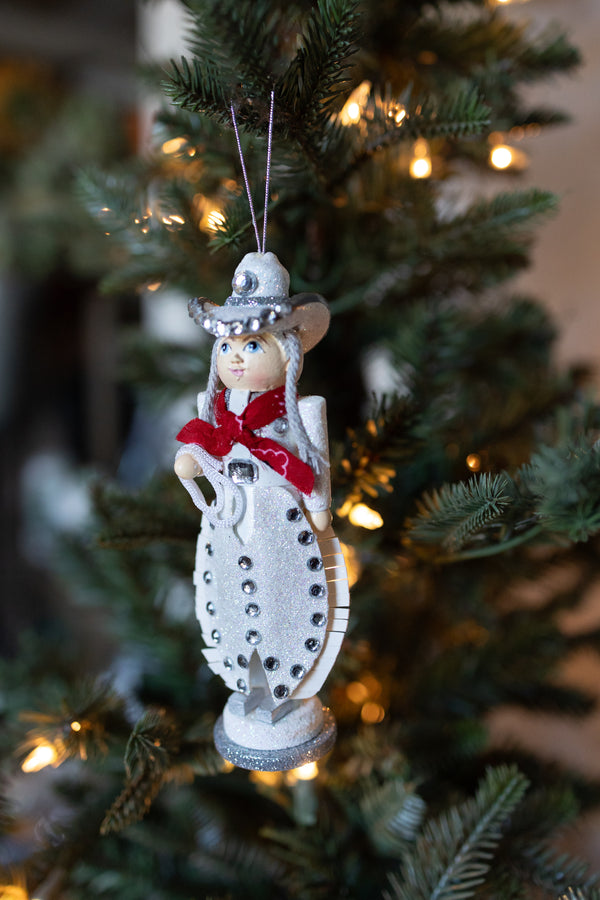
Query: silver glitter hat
(260,302)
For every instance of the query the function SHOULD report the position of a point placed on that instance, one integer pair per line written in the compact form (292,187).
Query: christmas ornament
(271,585)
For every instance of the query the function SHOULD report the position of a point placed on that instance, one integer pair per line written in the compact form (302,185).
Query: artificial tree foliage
(477,460)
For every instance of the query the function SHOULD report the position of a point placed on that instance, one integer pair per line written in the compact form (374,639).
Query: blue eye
(253,347)
(224,348)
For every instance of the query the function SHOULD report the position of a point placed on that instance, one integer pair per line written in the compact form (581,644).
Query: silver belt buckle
(242,471)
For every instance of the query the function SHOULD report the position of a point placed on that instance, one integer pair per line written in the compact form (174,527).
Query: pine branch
(459,114)
(198,88)
(108,198)
(162,372)
(367,462)
(508,210)
(392,814)
(78,722)
(482,247)
(580,894)
(565,483)
(554,871)
(7,817)
(159,513)
(149,755)
(315,77)
(457,512)
(464,46)
(453,855)
(241,39)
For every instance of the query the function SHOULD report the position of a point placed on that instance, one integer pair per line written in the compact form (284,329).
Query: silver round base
(277,760)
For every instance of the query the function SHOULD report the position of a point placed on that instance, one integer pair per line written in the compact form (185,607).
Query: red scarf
(231,429)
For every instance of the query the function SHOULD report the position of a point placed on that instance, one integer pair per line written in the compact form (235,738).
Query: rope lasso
(220,484)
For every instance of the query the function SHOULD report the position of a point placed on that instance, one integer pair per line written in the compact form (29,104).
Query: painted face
(251,362)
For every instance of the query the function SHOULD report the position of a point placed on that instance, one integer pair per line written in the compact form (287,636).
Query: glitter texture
(277,760)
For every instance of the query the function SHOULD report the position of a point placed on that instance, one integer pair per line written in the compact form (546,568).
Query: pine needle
(454,853)
(455,513)
(392,813)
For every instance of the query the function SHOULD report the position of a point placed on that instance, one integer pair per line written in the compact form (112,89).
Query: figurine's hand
(187,467)
(320,521)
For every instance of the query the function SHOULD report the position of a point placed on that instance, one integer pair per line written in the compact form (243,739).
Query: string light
(212,220)
(372,713)
(215,219)
(420,165)
(352,109)
(365,517)
(270,779)
(397,113)
(501,156)
(307,772)
(473,461)
(175,145)
(13,892)
(143,222)
(43,754)
(75,726)
(173,222)
(357,692)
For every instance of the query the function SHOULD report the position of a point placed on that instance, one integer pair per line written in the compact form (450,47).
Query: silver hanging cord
(261,249)
(268,174)
(245,174)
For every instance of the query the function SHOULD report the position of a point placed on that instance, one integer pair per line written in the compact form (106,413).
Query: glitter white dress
(271,595)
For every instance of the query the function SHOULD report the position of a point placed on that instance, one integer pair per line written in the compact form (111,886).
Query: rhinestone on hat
(243,281)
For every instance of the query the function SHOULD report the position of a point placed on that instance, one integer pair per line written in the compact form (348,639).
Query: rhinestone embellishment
(255,637)
(243,282)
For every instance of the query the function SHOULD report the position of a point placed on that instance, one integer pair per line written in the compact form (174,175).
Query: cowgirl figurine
(271,586)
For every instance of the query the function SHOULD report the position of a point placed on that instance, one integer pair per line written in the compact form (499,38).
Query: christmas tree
(465,469)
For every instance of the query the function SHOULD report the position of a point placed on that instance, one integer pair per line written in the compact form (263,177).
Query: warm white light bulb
(420,167)
(365,517)
(306,772)
(175,145)
(352,110)
(43,755)
(501,156)
(215,219)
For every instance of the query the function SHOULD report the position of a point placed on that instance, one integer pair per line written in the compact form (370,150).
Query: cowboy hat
(260,302)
